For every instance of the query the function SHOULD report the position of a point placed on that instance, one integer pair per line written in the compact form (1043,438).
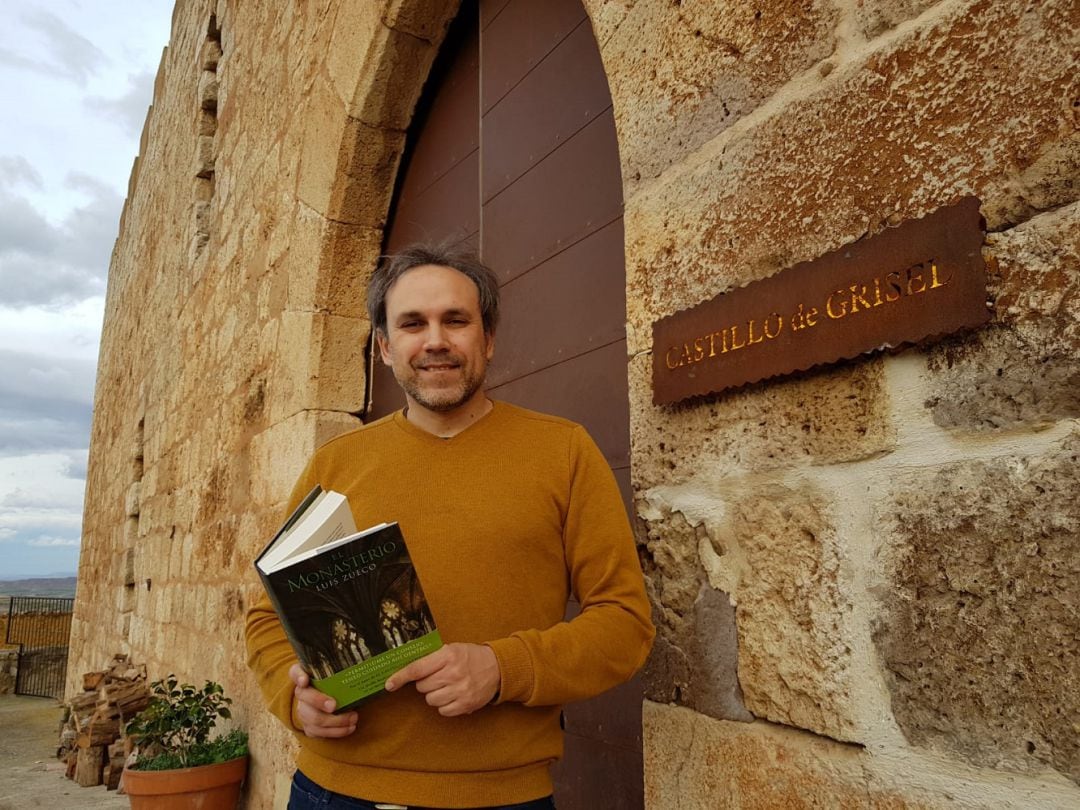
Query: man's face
(435,341)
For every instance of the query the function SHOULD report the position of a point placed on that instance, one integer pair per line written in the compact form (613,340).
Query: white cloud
(129,109)
(42,264)
(59,50)
(16,170)
(50,542)
(42,500)
(71,75)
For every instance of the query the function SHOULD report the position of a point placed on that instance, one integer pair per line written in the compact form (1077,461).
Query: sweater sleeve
(269,653)
(609,640)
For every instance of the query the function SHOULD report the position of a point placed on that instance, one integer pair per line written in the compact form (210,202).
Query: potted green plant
(178,765)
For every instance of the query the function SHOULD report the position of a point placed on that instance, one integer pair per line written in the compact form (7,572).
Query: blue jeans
(306,795)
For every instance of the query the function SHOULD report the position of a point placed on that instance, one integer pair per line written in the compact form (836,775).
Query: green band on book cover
(368,677)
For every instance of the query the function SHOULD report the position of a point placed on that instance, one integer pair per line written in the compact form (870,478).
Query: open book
(350,602)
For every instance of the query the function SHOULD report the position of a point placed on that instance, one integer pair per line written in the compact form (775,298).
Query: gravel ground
(30,774)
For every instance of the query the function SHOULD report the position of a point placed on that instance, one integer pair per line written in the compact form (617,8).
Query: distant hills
(39,586)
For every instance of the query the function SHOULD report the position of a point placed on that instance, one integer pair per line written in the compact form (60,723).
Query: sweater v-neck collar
(476,427)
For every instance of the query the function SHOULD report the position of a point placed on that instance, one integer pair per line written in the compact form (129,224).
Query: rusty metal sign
(920,280)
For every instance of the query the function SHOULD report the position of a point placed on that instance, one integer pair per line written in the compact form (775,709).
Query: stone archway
(355,135)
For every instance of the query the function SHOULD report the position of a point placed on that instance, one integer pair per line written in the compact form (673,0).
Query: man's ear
(489,338)
(384,346)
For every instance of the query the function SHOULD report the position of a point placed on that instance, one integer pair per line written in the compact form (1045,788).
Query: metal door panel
(612,780)
(571,304)
(556,100)
(560,201)
(450,113)
(490,10)
(520,37)
(446,210)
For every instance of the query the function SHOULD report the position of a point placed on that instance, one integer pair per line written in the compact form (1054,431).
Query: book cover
(353,609)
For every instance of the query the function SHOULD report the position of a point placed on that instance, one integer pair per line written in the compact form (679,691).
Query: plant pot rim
(200,777)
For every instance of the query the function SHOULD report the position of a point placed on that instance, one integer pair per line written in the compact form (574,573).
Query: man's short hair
(393,267)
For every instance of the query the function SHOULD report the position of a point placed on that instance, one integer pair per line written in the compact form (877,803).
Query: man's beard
(441,400)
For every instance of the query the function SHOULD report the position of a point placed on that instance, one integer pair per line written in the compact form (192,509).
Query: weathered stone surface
(1025,369)
(680,73)
(874,19)
(694,661)
(774,550)
(346,167)
(831,415)
(695,761)
(426,19)
(384,77)
(792,608)
(980,628)
(673,565)
(714,658)
(606,16)
(877,142)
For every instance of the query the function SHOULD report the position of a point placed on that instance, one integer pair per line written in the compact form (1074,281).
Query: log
(114,767)
(129,697)
(100,731)
(87,701)
(92,680)
(72,760)
(88,765)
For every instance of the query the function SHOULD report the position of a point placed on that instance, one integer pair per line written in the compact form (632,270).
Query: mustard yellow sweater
(503,522)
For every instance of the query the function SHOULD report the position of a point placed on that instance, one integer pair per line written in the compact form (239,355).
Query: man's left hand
(456,679)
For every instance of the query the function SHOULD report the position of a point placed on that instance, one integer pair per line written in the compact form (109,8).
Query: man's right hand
(315,711)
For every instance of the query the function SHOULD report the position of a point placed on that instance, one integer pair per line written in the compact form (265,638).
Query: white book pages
(328,519)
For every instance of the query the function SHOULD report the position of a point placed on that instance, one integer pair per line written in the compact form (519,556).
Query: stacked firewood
(92,738)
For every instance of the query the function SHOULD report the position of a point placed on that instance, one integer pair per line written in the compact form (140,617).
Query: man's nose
(435,337)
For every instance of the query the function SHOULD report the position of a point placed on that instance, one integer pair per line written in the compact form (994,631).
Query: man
(506,512)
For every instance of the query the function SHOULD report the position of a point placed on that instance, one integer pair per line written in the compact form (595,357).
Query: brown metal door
(513,146)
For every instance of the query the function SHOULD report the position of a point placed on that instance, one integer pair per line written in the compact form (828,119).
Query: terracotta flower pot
(207,787)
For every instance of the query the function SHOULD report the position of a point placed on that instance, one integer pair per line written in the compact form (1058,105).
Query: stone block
(1025,368)
(208,91)
(210,55)
(347,168)
(369,164)
(320,364)
(695,761)
(979,630)
(606,16)
(349,256)
(279,453)
(827,416)
(376,70)
(681,73)
(698,668)
(672,564)
(300,266)
(342,364)
(426,19)
(204,162)
(874,19)
(928,116)
(774,550)
(132,501)
(793,607)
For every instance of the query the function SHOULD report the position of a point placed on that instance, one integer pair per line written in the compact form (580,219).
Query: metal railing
(41,626)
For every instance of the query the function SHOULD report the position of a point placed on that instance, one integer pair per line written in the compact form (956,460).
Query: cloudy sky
(76,78)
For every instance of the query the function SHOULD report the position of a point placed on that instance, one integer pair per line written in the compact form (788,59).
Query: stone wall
(895,540)
(864,575)
(235,329)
